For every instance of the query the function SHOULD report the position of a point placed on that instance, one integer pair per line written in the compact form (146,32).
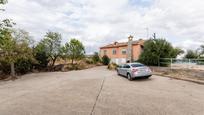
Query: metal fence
(174,63)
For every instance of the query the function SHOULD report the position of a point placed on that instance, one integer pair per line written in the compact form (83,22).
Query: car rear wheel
(148,76)
(129,77)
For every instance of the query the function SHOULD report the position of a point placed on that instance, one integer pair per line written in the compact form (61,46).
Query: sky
(100,22)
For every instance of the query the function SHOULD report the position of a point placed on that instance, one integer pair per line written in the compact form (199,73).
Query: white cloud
(98,22)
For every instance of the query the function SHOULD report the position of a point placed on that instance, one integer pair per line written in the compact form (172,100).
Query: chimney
(115,43)
(129,49)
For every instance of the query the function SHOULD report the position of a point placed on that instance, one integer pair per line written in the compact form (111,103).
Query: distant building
(120,53)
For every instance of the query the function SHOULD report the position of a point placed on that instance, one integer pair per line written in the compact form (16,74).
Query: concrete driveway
(98,91)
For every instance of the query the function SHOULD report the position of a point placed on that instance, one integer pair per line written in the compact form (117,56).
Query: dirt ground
(193,74)
(98,91)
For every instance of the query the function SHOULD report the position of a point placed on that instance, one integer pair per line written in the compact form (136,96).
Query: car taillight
(134,70)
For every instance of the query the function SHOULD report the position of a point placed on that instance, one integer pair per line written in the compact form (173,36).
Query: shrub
(191,54)
(5,67)
(42,60)
(89,61)
(105,60)
(23,66)
(155,49)
(112,66)
(96,58)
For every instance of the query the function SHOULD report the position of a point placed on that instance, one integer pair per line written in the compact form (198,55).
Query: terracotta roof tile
(116,44)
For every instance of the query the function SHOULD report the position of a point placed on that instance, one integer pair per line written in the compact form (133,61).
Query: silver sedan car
(133,70)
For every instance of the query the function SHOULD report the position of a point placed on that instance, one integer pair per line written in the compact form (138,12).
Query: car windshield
(137,65)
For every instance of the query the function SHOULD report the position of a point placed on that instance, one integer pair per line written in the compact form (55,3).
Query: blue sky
(99,22)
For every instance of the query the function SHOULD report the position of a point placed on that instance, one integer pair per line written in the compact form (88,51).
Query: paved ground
(76,92)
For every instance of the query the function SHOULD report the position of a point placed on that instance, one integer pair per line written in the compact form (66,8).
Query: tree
(7,46)
(105,60)
(191,54)
(11,48)
(96,57)
(65,52)
(176,51)
(22,36)
(155,49)
(41,55)
(75,50)
(3,1)
(52,45)
(200,51)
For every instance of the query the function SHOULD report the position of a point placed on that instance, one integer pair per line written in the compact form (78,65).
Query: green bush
(89,61)
(23,66)
(105,60)
(5,67)
(96,58)
(156,49)
(42,60)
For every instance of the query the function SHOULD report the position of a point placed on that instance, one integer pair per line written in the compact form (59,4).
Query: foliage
(64,51)
(12,47)
(3,1)
(96,57)
(22,36)
(112,66)
(52,46)
(191,54)
(23,65)
(75,50)
(41,56)
(177,51)
(200,51)
(8,47)
(89,61)
(5,67)
(105,60)
(154,49)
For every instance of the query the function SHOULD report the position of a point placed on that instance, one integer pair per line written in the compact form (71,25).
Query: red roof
(122,44)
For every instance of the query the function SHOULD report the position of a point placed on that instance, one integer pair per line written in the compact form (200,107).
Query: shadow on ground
(138,79)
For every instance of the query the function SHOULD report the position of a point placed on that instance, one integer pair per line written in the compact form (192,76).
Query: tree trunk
(72,61)
(12,70)
(53,62)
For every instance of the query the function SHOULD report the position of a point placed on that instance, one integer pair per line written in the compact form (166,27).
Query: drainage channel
(97,96)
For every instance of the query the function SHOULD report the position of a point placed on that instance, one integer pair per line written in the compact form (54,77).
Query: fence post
(171,63)
(189,60)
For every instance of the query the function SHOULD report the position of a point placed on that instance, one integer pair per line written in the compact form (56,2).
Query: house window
(124,51)
(114,51)
(105,52)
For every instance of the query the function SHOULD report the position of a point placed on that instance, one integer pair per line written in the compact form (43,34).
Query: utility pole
(154,36)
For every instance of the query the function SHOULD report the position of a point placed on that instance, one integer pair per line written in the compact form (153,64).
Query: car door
(125,69)
(120,69)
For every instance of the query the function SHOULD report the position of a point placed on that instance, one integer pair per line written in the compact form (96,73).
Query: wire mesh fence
(174,63)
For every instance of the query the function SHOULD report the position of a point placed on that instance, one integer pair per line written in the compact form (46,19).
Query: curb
(183,79)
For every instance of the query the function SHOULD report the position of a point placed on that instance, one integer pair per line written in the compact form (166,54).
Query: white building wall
(118,60)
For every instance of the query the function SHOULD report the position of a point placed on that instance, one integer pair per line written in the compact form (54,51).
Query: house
(120,53)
